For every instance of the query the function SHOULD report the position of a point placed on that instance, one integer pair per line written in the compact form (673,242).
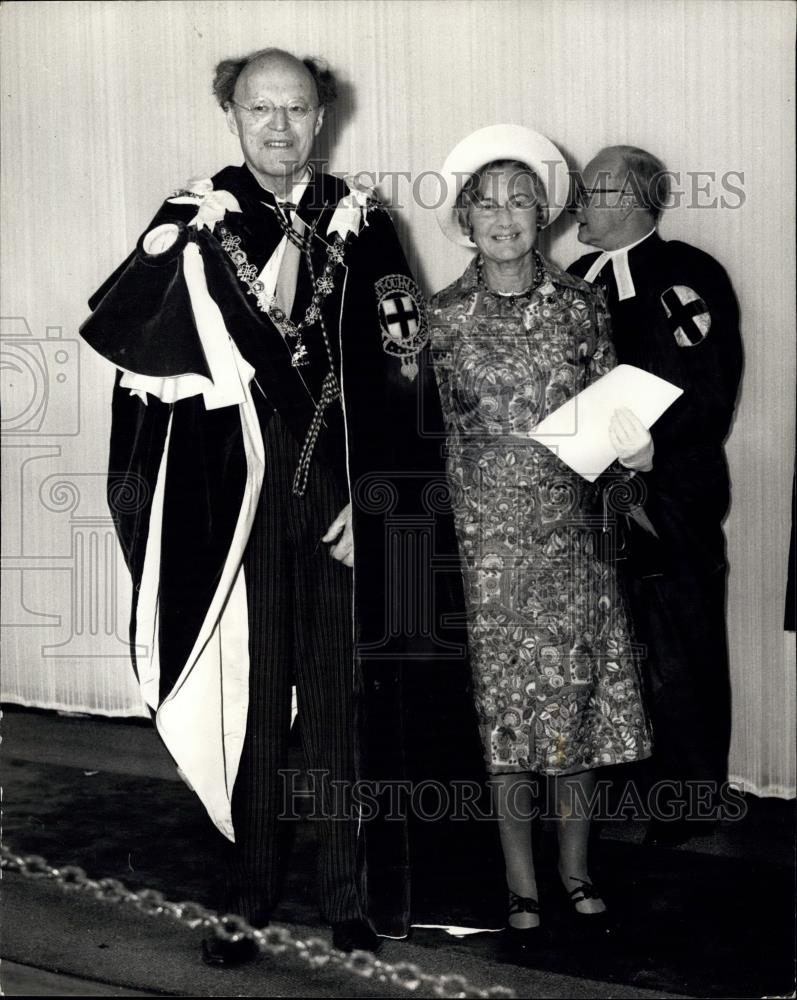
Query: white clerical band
(622,272)
(620,266)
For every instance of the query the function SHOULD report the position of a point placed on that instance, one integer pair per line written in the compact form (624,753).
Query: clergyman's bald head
(634,169)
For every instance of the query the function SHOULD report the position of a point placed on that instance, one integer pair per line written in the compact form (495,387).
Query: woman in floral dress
(555,679)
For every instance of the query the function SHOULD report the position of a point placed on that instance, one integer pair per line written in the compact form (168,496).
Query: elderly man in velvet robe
(276,483)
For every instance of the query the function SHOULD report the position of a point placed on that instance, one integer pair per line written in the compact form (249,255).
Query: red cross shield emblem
(687,315)
(398,315)
(402,317)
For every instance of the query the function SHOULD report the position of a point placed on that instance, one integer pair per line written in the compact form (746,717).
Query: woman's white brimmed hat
(501,142)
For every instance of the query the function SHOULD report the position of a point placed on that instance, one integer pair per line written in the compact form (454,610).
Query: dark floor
(714,918)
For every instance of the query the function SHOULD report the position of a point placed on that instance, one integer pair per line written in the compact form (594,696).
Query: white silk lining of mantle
(202,720)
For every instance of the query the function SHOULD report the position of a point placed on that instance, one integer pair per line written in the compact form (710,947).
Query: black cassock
(204,362)
(682,324)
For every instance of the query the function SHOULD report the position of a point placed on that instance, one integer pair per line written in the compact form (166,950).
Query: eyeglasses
(264,111)
(587,196)
(488,207)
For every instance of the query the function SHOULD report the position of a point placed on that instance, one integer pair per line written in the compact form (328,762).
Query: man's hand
(631,440)
(343,551)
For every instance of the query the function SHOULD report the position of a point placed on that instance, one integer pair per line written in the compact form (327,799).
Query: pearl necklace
(512,297)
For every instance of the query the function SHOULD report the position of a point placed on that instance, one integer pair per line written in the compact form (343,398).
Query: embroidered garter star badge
(402,316)
(687,315)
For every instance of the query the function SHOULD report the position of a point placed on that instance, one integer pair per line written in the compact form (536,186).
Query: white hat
(501,142)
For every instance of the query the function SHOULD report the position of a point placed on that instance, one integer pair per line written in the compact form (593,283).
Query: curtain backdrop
(106,107)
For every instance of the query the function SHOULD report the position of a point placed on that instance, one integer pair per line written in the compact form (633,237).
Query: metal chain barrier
(273,940)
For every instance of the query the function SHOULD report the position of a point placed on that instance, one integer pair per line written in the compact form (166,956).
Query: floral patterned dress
(555,677)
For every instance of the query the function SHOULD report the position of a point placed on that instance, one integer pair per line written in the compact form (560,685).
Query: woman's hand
(631,440)
(343,551)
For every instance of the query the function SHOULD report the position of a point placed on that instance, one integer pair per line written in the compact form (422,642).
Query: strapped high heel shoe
(522,937)
(586,890)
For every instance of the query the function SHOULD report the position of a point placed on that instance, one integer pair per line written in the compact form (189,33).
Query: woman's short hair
(472,185)
(648,176)
(227,72)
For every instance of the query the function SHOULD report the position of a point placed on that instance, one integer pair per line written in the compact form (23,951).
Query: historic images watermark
(700,188)
(314,795)
(61,563)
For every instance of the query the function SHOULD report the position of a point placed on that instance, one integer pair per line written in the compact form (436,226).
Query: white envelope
(578,432)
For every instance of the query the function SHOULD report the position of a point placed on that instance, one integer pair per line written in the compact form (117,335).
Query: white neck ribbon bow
(212,205)
(351,210)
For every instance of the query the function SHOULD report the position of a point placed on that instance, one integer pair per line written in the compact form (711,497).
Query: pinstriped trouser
(300,632)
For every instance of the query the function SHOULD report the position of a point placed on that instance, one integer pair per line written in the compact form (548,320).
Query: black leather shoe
(354,935)
(522,939)
(219,951)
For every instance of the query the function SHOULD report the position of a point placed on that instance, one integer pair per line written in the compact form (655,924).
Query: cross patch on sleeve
(402,317)
(687,314)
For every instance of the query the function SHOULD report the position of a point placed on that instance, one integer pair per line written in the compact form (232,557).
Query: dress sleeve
(440,339)
(603,358)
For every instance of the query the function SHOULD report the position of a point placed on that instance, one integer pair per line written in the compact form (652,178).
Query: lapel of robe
(283,386)
(293,391)
(256,224)
(316,210)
